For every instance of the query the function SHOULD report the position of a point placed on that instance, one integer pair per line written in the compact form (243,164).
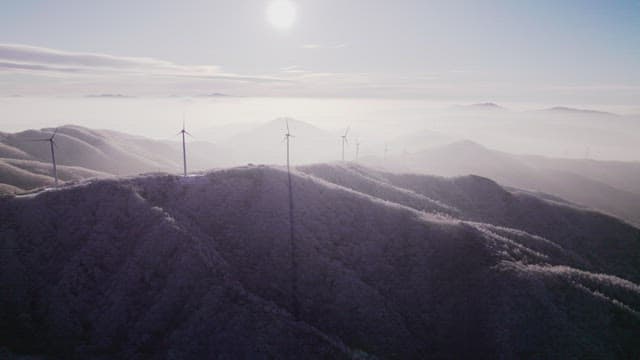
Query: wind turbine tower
(295,304)
(287,137)
(53,145)
(344,140)
(357,148)
(184,132)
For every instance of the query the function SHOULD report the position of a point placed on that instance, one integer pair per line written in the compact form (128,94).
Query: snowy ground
(390,266)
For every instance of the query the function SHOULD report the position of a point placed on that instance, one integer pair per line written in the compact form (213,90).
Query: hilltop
(390,266)
(88,153)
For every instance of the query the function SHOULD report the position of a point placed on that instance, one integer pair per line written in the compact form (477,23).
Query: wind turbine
(344,140)
(52,143)
(357,148)
(295,304)
(386,150)
(184,147)
(287,136)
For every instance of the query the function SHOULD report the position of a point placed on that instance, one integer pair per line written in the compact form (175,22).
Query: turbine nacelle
(344,140)
(184,147)
(288,134)
(346,132)
(50,139)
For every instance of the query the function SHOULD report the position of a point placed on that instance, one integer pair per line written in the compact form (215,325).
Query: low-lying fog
(404,125)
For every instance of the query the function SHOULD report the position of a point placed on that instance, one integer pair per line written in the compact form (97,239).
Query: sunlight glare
(281,13)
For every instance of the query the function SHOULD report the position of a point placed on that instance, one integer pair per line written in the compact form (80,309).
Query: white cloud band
(25,58)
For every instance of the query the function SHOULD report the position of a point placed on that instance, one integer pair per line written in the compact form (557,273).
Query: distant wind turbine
(386,150)
(344,140)
(357,148)
(287,136)
(295,304)
(184,147)
(53,145)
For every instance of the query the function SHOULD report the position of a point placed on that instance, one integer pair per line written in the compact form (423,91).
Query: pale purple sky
(507,51)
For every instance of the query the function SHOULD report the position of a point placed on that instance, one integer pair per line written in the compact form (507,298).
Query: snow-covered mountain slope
(86,153)
(481,200)
(606,186)
(31,174)
(389,266)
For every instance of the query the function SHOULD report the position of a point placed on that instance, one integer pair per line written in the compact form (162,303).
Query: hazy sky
(556,52)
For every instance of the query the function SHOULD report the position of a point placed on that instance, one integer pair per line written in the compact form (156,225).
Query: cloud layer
(319,46)
(25,58)
(33,70)
(91,72)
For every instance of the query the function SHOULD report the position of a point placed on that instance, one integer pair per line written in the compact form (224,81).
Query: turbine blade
(287,122)
(347,131)
(54,133)
(188,133)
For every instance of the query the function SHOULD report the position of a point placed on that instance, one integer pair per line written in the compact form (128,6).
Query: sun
(281,13)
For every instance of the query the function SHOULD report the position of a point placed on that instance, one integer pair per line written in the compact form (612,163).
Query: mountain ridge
(379,278)
(607,186)
(578,111)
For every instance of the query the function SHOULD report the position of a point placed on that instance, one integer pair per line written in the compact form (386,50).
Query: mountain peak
(483,106)
(214,94)
(280,122)
(487,105)
(109,96)
(570,110)
(466,145)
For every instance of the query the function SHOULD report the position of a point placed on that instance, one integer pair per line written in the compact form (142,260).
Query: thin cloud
(318,46)
(36,67)
(41,55)
(25,58)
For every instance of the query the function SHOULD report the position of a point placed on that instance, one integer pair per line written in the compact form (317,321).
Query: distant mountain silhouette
(113,96)
(263,143)
(214,94)
(488,106)
(575,111)
(417,141)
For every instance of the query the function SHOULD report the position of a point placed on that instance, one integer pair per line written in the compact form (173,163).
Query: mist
(404,125)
